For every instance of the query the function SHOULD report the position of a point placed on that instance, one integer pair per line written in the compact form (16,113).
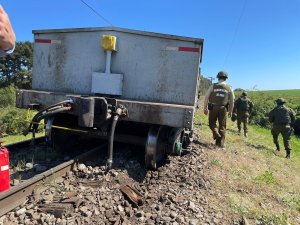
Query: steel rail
(17,195)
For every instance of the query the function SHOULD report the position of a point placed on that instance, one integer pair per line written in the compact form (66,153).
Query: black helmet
(244,93)
(280,101)
(222,74)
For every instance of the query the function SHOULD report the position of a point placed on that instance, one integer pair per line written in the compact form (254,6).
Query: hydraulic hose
(50,110)
(47,114)
(120,112)
(111,141)
(52,107)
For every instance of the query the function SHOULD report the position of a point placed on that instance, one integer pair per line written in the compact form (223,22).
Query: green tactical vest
(242,104)
(220,94)
(281,115)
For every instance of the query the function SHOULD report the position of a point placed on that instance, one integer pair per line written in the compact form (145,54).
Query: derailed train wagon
(117,84)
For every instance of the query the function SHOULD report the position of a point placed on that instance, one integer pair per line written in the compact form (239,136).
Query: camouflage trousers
(285,131)
(243,118)
(218,113)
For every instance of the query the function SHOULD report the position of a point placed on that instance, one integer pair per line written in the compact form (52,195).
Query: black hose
(50,110)
(45,115)
(50,113)
(111,142)
(56,104)
(51,107)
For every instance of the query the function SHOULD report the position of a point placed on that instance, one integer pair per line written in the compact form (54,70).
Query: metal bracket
(188,118)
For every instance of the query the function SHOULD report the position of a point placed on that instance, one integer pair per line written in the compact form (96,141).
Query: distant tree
(239,90)
(204,85)
(16,68)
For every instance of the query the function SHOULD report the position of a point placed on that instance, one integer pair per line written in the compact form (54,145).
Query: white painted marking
(3,168)
(172,48)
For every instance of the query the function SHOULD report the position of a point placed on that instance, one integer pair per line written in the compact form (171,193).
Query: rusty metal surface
(138,111)
(159,113)
(57,209)
(17,195)
(132,194)
(44,98)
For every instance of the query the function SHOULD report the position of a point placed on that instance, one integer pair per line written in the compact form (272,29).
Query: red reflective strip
(187,49)
(47,41)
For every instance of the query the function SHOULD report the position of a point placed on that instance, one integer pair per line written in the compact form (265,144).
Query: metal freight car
(118,84)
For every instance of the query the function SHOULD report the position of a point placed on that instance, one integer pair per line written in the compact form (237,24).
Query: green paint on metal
(178,148)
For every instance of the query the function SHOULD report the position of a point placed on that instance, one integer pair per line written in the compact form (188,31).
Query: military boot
(288,154)
(218,141)
(278,147)
(246,134)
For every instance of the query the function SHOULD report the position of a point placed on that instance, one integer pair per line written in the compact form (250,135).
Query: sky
(256,41)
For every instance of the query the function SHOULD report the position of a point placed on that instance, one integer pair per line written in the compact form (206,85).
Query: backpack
(243,104)
(282,115)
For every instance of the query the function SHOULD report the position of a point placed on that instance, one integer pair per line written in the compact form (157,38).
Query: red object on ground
(4,169)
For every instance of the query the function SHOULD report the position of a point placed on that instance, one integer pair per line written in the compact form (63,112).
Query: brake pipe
(120,112)
(111,142)
(54,105)
(50,110)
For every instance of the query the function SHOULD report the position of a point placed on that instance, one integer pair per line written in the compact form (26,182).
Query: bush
(262,106)
(297,126)
(2,129)
(12,120)
(7,96)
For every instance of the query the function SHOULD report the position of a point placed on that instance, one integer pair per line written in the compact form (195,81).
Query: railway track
(17,194)
(88,194)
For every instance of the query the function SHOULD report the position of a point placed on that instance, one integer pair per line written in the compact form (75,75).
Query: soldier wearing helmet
(218,104)
(243,107)
(282,119)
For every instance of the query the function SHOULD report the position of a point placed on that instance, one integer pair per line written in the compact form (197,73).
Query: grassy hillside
(250,178)
(280,93)
(292,96)
(267,98)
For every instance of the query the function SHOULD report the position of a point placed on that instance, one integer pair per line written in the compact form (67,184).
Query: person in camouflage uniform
(282,118)
(243,107)
(219,102)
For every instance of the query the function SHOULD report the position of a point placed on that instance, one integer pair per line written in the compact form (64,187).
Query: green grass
(260,137)
(216,162)
(258,181)
(17,138)
(273,219)
(267,178)
(292,201)
(264,140)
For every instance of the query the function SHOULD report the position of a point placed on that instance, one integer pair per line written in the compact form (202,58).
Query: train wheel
(156,146)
